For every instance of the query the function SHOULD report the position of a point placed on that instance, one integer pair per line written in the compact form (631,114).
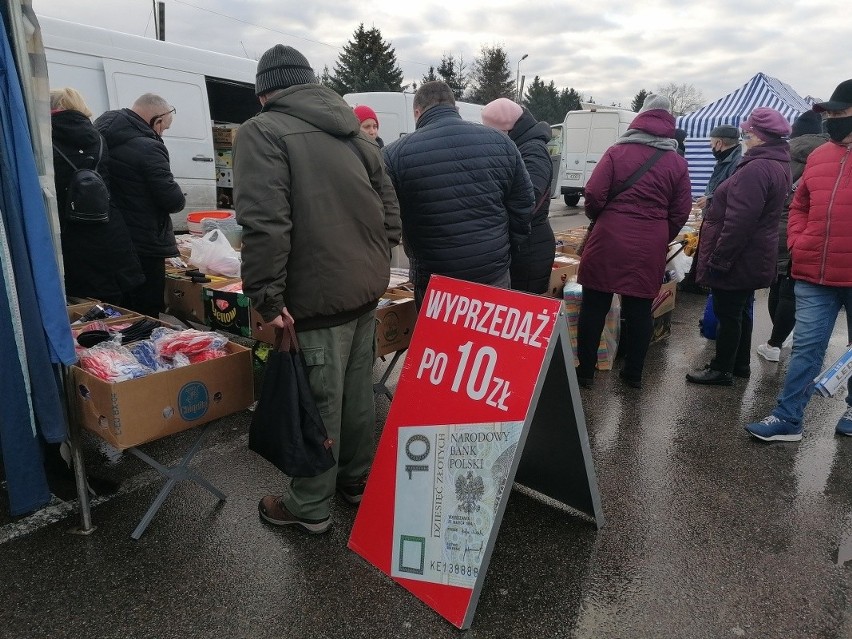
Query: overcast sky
(605,49)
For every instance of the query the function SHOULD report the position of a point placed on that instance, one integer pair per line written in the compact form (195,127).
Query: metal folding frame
(380,387)
(173,474)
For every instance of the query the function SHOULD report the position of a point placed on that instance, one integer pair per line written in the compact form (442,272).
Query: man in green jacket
(319,221)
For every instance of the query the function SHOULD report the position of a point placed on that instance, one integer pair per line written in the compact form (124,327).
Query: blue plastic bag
(709,325)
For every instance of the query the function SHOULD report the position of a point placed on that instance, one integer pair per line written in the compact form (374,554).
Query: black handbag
(287,428)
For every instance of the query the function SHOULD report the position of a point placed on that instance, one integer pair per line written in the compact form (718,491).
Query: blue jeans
(816,313)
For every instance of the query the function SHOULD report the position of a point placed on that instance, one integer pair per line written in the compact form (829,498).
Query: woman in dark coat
(98,259)
(532,262)
(625,252)
(739,241)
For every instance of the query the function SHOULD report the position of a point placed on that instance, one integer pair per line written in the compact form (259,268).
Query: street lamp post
(518,78)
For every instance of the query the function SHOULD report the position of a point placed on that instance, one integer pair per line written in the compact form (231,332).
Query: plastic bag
(212,253)
(678,261)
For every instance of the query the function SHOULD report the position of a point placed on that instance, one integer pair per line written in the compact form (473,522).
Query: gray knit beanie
(654,101)
(281,67)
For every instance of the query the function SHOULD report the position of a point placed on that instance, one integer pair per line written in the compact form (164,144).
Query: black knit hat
(807,122)
(281,67)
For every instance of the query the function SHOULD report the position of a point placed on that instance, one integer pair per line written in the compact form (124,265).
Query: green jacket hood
(300,101)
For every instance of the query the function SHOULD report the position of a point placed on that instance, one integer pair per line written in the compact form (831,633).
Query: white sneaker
(769,353)
(789,341)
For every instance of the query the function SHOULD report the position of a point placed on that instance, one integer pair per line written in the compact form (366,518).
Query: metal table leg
(175,474)
(380,387)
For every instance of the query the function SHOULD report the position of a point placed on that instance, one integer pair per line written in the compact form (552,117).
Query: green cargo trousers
(340,370)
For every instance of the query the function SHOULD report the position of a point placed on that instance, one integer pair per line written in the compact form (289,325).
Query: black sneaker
(353,493)
(273,511)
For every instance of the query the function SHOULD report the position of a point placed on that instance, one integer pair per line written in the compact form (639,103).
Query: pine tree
(453,73)
(367,63)
(430,77)
(491,77)
(543,101)
(638,100)
(569,100)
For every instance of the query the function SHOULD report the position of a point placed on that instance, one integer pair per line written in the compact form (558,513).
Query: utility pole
(159,19)
(518,77)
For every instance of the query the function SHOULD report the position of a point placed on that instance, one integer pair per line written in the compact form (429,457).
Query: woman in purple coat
(626,251)
(739,241)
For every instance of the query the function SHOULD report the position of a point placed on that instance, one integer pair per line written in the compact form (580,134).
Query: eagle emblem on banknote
(469,491)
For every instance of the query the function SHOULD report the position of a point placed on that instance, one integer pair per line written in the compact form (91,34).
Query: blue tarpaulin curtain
(34,333)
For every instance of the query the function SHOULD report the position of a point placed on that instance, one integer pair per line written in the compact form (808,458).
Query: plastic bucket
(194,219)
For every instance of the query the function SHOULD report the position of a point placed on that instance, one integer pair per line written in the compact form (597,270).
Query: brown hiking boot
(273,511)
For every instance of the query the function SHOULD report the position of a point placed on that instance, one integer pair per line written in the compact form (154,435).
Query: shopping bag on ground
(287,428)
(709,324)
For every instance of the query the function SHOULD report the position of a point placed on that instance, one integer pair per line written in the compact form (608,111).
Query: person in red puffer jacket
(819,234)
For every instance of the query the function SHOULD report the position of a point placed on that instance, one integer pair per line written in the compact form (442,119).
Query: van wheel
(571,199)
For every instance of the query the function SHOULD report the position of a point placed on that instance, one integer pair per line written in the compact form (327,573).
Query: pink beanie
(501,114)
(767,124)
(363,112)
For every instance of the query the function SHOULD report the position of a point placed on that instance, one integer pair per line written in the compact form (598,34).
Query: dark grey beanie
(281,67)
(725,131)
(807,122)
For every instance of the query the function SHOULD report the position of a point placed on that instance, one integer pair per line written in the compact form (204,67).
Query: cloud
(607,49)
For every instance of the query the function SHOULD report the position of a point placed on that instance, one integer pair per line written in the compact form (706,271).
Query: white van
(112,69)
(586,135)
(396,111)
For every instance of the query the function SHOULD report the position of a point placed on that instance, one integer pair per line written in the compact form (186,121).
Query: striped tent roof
(761,91)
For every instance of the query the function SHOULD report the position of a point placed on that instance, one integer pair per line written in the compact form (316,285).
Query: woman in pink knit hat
(532,263)
(369,123)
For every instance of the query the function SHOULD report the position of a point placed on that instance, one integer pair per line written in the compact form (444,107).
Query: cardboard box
(224,159)
(395,323)
(137,411)
(224,177)
(184,298)
(662,327)
(77,311)
(231,311)
(223,136)
(564,270)
(665,300)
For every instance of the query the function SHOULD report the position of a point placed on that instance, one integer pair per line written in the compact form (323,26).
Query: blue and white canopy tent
(761,91)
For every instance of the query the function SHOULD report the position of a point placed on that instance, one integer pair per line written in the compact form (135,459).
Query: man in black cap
(819,235)
(725,146)
(319,221)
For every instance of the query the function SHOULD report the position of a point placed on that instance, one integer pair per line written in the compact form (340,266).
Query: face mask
(838,129)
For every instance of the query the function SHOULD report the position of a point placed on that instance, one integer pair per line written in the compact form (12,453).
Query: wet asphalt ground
(708,534)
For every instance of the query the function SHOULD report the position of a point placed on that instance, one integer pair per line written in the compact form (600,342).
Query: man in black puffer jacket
(464,194)
(143,188)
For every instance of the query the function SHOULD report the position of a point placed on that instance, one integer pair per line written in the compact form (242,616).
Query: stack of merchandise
(608,346)
(166,349)
(223,140)
(568,241)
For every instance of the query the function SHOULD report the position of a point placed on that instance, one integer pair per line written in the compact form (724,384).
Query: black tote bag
(287,428)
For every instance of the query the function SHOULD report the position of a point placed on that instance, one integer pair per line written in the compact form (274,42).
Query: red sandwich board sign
(487,396)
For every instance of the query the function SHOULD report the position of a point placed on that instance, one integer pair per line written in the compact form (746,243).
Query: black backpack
(87,198)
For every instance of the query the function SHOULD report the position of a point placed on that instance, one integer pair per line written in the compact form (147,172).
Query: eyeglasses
(153,120)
